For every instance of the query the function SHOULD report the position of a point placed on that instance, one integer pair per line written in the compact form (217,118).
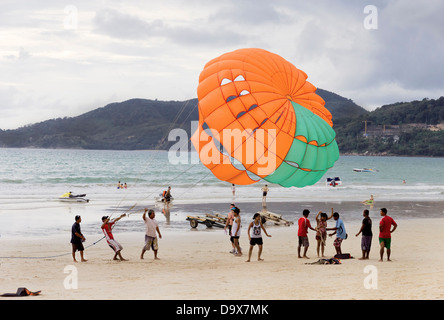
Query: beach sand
(197,265)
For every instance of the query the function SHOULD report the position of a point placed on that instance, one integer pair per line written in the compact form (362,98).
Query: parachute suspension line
(53,256)
(168,182)
(154,154)
(200,180)
(161,143)
(120,201)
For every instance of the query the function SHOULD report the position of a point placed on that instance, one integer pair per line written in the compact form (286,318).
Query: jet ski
(333,182)
(161,199)
(69,197)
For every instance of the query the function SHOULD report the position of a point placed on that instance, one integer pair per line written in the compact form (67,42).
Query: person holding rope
(150,236)
(107,226)
(76,240)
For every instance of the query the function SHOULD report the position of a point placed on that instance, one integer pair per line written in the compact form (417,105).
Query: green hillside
(129,125)
(406,128)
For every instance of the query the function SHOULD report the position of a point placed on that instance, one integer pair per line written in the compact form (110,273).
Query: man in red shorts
(385,231)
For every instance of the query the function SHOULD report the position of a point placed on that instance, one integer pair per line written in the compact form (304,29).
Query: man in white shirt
(150,236)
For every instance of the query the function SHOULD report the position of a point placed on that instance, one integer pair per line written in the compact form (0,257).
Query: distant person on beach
(367,235)
(233,191)
(385,233)
(167,195)
(119,186)
(321,231)
(340,232)
(304,225)
(107,227)
(152,226)
(125,186)
(265,190)
(76,239)
(256,237)
(229,225)
(264,195)
(236,231)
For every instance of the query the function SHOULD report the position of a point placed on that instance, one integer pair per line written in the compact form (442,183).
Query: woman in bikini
(321,230)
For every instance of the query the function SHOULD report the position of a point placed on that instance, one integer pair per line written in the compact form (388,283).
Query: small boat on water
(364,170)
(69,197)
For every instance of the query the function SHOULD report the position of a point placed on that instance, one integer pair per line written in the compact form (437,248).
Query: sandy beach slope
(198,265)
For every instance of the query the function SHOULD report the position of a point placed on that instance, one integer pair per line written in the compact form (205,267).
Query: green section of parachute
(302,155)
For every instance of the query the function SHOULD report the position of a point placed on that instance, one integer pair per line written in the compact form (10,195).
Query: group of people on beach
(255,228)
(233,227)
(151,242)
(385,231)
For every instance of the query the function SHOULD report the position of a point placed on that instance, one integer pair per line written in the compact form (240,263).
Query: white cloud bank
(62,59)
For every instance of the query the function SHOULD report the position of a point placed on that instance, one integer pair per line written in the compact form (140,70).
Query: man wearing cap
(107,230)
(236,231)
(76,239)
(229,225)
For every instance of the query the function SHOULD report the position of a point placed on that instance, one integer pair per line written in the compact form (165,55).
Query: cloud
(121,49)
(248,13)
(411,44)
(125,26)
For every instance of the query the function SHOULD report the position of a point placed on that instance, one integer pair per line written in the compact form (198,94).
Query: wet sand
(196,264)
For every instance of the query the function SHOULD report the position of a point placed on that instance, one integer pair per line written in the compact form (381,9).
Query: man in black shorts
(76,239)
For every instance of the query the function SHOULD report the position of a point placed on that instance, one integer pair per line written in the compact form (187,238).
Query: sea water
(32,180)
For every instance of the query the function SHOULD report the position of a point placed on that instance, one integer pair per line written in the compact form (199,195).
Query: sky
(62,58)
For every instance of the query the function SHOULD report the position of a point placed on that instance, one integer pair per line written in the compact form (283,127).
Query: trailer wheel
(208,224)
(193,223)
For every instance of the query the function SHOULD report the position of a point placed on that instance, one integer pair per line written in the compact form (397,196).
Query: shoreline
(350,209)
(358,154)
(33,223)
